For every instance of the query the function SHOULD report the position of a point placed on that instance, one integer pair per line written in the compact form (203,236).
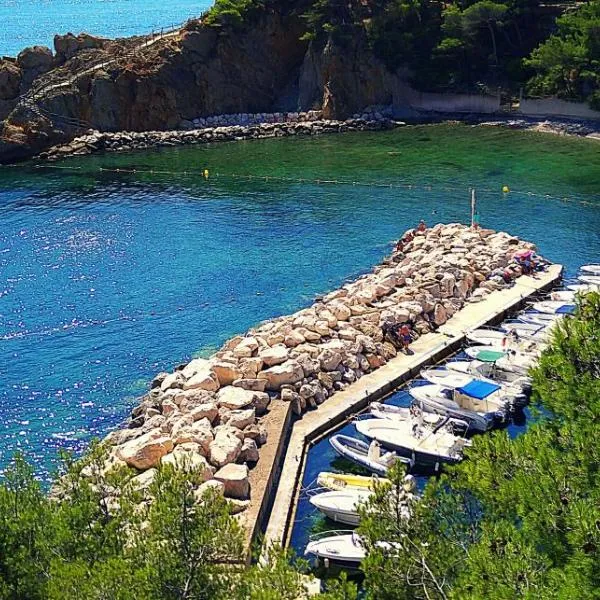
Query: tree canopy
(520,518)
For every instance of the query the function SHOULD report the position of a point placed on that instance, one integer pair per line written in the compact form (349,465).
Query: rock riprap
(209,413)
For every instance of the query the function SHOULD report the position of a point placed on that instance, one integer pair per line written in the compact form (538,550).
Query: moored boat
(490,370)
(554,307)
(340,481)
(340,548)
(341,506)
(593,269)
(365,455)
(413,414)
(477,412)
(424,447)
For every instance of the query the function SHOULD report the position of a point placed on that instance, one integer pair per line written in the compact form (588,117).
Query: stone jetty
(210,413)
(224,128)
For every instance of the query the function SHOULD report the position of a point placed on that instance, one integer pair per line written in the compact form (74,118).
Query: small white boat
(490,370)
(341,506)
(563,296)
(524,330)
(591,279)
(486,337)
(515,362)
(413,414)
(538,318)
(552,307)
(340,548)
(365,455)
(583,288)
(591,269)
(425,447)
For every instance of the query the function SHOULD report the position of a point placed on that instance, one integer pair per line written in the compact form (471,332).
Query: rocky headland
(212,413)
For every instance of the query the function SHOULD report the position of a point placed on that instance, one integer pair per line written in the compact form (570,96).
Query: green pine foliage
(520,518)
(567,64)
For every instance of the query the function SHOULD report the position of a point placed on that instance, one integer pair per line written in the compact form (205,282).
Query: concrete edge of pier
(276,479)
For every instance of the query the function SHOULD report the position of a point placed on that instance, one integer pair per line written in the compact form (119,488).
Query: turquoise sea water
(108,277)
(30,22)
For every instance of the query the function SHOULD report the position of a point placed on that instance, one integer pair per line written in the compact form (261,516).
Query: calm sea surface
(30,22)
(108,277)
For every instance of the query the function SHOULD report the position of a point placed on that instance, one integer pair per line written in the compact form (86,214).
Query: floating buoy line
(209,175)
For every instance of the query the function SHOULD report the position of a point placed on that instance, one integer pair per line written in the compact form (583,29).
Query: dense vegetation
(460,45)
(520,518)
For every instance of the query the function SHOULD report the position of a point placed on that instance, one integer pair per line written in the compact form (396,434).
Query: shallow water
(107,278)
(35,22)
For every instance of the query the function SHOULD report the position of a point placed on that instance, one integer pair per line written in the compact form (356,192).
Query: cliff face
(155,84)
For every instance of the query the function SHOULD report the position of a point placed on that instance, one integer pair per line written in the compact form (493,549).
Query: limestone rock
(198,432)
(234,397)
(205,490)
(204,379)
(329,359)
(249,451)
(275,355)
(226,446)
(288,372)
(239,418)
(226,372)
(253,385)
(145,451)
(188,457)
(235,479)
(204,411)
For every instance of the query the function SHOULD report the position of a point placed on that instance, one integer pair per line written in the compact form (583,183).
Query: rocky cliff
(140,84)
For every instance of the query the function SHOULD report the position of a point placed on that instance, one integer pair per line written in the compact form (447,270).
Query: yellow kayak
(339,481)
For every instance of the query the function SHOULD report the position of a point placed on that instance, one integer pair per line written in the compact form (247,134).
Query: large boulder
(203,379)
(10,80)
(205,411)
(329,359)
(66,46)
(235,479)
(35,58)
(234,397)
(289,372)
(226,372)
(145,451)
(275,355)
(239,418)
(199,432)
(226,446)
(188,457)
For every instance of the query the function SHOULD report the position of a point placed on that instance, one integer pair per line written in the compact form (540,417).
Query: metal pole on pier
(473,207)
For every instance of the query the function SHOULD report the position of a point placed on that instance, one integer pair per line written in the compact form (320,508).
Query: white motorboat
(538,318)
(525,330)
(490,370)
(591,269)
(510,360)
(477,402)
(413,414)
(591,279)
(365,455)
(457,380)
(554,307)
(425,447)
(487,337)
(341,506)
(583,288)
(563,296)
(340,548)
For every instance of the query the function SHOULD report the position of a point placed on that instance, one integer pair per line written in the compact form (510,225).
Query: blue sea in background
(35,22)
(107,278)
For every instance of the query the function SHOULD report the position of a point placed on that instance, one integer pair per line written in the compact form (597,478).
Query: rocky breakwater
(130,140)
(210,413)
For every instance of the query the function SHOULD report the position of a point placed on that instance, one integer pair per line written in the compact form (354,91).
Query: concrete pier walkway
(428,349)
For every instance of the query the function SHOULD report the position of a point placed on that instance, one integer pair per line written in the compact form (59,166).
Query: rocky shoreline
(210,413)
(228,128)
(132,140)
